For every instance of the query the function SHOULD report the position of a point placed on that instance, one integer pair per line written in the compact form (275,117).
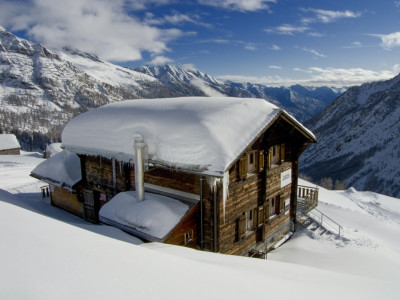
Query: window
(188,237)
(276,154)
(251,161)
(275,206)
(249,220)
(287,205)
(272,211)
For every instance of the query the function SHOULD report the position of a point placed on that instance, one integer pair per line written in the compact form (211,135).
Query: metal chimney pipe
(139,167)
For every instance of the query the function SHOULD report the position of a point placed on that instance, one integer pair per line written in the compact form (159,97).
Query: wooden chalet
(232,161)
(9,145)
(62,173)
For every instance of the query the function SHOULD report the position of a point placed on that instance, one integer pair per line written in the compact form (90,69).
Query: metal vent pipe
(139,167)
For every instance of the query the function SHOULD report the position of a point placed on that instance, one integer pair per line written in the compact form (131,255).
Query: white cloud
(287,29)
(274,48)
(275,67)
(101,27)
(317,76)
(160,60)
(250,47)
(312,51)
(389,41)
(144,4)
(203,86)
(189,67)
(396,68)
(239,5)
(328,16)
(353,45)
(315,34)
(176,19)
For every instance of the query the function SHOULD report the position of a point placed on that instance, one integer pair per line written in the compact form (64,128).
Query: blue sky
(276,42)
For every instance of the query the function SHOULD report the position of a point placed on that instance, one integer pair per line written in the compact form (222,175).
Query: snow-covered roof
(151,219)
(205,134)
(8,141)
(53,149)
(63,169)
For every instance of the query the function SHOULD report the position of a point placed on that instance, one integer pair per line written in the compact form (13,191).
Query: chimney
(139,167)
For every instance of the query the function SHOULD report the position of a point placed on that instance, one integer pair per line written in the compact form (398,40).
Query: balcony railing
(307,198)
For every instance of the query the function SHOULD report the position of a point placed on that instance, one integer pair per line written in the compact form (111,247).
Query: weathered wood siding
(187,225)
(189,183)
(252,192)
(103,174)
(62,198)
(14,151)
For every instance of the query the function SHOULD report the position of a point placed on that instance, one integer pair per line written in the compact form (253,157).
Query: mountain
(302,102)
(41,90)
(359,139)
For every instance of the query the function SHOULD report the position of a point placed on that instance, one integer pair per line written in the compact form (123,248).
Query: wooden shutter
(261,161)
(243,167)
(270,157)
(241,226)
(256,161)
(282,152)
(281,202)
(88,197)
(266,210)
(260,216)
(255,215)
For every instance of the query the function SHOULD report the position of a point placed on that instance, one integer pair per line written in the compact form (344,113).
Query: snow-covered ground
(47,253)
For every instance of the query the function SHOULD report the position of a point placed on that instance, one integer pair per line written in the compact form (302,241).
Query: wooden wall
(187,225)
(254,191)
(68,201)
(15,151)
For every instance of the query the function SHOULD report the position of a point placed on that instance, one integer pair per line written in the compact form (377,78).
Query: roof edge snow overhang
(129,159)
(55,182)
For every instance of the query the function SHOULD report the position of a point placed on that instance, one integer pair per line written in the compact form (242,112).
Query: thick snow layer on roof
(206,133)
(155,216)
(53,148)
(63,169)
(8,141)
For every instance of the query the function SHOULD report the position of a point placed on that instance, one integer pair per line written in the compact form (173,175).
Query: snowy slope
(55,255)
(358,139)
(40,90)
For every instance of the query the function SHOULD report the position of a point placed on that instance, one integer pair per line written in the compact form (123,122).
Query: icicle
(225,191)
(114,176)
(212,182)
(120,169)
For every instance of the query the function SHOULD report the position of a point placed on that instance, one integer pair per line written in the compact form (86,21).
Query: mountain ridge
(358,139)
(41,89)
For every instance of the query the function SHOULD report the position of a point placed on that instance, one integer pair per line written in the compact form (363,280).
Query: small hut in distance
(9,145)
